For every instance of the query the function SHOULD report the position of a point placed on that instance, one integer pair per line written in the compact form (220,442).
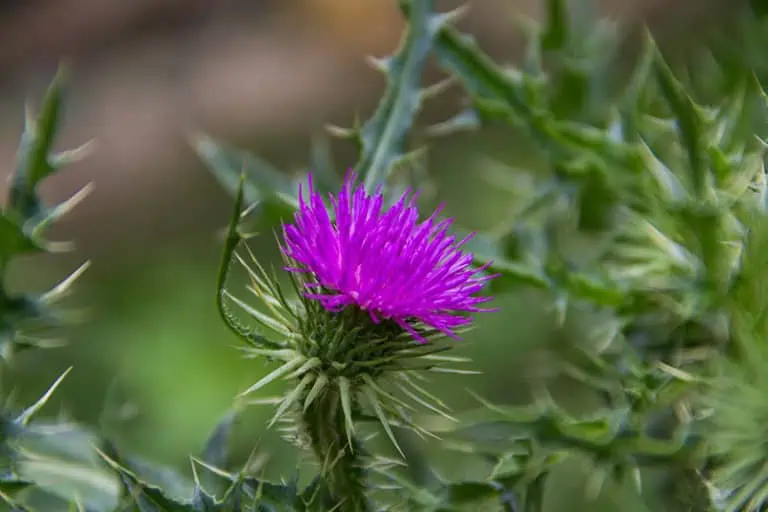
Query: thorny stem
(342,467)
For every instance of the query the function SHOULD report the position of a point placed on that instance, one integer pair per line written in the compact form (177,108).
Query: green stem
(343,470)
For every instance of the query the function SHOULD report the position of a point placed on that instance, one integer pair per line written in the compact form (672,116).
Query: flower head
(383,260)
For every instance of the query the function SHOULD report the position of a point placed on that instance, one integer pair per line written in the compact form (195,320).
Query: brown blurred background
(261,74)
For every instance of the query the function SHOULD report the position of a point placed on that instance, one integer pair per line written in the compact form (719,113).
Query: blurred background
(262,75)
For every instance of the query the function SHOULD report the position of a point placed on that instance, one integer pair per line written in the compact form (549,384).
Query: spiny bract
(383,260)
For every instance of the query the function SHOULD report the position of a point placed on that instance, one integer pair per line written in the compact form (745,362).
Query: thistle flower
(383,261)
(375,285)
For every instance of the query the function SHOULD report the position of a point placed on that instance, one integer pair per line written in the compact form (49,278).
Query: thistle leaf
(216,449)
(23,223)
(262,181)
(689,123)
(146,497)
(230,245)
(382,137)
(33,157)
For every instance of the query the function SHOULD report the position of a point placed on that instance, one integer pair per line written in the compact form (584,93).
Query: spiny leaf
(33,163)
(604,436)
(382,137)
(461,56)
(64,479)
(63,460)
(24,220)
(204,502)
(273,496)
(230,245)
(216,449)
(520,99)
(25,319)
(688,121)
(247,493)
(146,497)
(262,181)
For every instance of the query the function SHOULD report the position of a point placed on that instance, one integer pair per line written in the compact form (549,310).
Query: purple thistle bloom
(383,260)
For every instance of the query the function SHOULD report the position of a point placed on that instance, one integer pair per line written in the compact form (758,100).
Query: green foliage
(61,465)
(340,364)
(668,191)
(382,138)
(647,222)
(25,319)
(24,221)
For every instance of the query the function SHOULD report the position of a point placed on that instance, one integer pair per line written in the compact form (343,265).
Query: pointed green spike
(374,403)
(380,64)
(285,354)
(413,396)
(419,389)
(321,382)
(437,88)
(383,394)
(62,289)
(466,120)
(73,156)
(308,366)
(345,393)
(26,415)
(291,398)
(688,120)
(340,132)
(39,223)
(262,318)
(278,373)
(440,369)
(34,149)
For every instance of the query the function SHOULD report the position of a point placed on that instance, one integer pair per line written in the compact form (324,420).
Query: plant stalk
(342,467)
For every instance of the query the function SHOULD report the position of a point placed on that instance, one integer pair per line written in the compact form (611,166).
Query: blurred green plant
(665,193)
(60,465)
